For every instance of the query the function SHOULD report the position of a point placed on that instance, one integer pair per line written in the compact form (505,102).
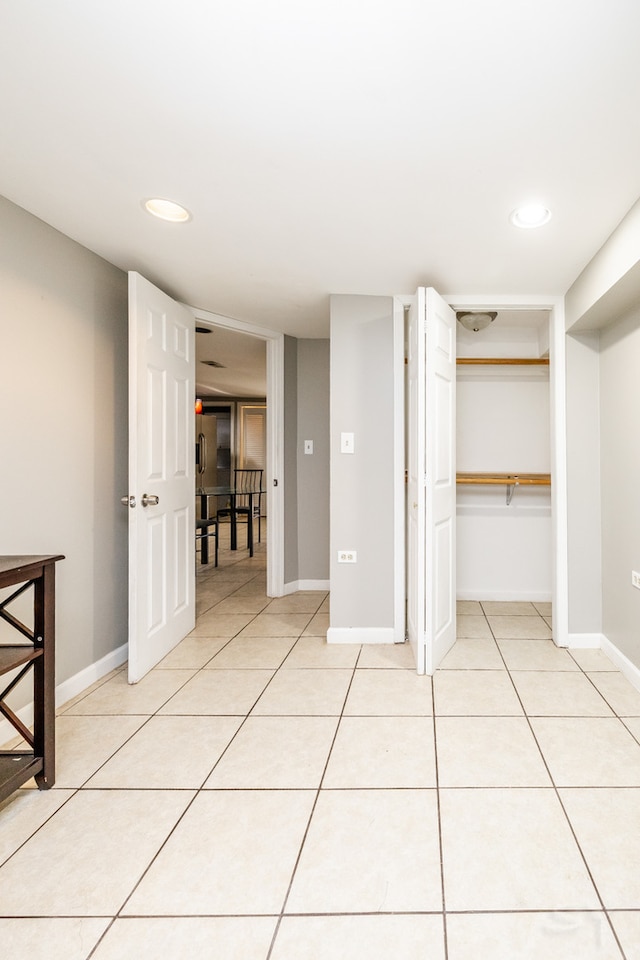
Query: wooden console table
(18,766)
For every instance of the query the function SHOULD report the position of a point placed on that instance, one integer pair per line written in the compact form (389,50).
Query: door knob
(150,500)
(128,501)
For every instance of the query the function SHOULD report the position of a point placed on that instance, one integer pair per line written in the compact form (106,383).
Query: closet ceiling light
(166,210)
(530,215)
(475,321)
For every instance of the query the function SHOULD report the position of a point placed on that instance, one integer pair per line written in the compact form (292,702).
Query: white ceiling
(243,359)
(324,146)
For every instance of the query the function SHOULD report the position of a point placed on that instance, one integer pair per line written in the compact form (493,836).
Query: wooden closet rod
(506,361)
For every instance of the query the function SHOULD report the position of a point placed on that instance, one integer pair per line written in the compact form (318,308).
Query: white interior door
(440,484)
(431,479)
(161,475)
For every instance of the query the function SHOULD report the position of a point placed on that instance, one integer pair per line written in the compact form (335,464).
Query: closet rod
(510,480)
(505,361)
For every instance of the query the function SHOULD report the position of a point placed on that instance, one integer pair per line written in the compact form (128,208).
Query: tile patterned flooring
(262,796)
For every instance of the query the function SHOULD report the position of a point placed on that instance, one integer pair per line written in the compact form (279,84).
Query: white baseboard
(360,635)
(69,688)
(585,641)
(622,662)
(297,585)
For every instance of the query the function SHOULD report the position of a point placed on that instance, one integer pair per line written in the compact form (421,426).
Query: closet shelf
(505,361)
(510,480)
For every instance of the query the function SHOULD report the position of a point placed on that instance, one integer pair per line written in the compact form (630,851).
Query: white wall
(504,552)
(63,423)
(363,483)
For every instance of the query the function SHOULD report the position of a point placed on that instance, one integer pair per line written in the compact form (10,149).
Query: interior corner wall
(620,471)
(290,460)
(313,469)
(584,520)
(63,416)
(362,483)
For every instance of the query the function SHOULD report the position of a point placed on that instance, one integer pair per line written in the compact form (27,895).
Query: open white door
(431,479)
(161,475)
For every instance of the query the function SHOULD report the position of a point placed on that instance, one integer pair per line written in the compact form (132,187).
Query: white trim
(70,688)
(622,662)
(275,438)
(585,641)
(399,495)
(361,635)
(295,585)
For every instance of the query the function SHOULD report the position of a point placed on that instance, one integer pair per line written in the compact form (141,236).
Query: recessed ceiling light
(530,215)
(167,210)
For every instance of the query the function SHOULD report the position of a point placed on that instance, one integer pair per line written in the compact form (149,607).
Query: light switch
(308,446)
(347,443)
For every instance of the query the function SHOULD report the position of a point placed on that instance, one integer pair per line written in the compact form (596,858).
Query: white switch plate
(308,446)
(347,443)
(635,579)
(347,556)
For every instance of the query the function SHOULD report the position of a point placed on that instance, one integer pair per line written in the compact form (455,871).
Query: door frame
(558,429)
(275,437)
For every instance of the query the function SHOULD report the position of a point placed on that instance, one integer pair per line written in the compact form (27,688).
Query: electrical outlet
(347,556)
(635,579)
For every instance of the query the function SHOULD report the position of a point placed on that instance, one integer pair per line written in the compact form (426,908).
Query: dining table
(229,494)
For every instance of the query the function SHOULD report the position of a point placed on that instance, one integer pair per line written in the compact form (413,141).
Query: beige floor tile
(305,601)
(258,653)
(317,626)
(387,693)
(531,936)
(627,926)
(548,693)
(225,625)
(593,661)
(488,752)
(607,824)
(588,751)
(187,938)
(493,857)
(276,753)
(413,937)
(369,851)
(90,854)
(168,753)
(469,607)
(50,938)
(192,653)
(71,702)
(472,692)
(387,656)
(305,692)
(233,852)
(277,625)
(23,813)
(473,655)
(514,627)
(382,752)
(118,696)
(471,627)
(316,652)
(235,605)
(544,608)
(535,655)
(633,725)
(619,693)
(218,692)
(509,608)
(325,605)
(83,744)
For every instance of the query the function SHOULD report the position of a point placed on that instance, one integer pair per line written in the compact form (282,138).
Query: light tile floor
(262,796)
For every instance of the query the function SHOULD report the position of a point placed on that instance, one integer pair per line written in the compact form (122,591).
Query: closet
(503,453)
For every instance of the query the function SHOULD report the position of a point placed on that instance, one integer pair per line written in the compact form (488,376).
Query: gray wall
(362,484)
(620,471)
(313,470)
(290,460)
(63,423)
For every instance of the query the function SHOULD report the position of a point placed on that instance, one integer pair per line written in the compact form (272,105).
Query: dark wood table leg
(44,744)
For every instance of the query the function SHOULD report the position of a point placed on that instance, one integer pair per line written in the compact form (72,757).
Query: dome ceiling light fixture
(477,321)
(530,215)
(166,210)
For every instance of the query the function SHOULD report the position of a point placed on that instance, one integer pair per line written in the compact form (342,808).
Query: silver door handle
(128,501)
(150,500)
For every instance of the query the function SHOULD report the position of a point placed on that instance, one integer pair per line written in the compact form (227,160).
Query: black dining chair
(245,482)
(207,530)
